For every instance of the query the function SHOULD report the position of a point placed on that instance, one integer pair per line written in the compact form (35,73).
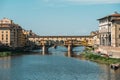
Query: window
(6,35)
(6,38)
(119,36)
(6,31)
(2,38)
(109,24)
(119,28)
(6,44)
(2,35)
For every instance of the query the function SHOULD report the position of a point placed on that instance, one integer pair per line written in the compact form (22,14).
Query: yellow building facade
(11,34)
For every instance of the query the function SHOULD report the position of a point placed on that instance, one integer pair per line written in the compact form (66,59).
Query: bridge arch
(67,41)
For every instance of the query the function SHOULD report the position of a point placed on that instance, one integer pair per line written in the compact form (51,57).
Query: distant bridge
(69,41)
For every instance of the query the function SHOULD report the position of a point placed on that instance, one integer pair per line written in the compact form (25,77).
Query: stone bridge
(68,41)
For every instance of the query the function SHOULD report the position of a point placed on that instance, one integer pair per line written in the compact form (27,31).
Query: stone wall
(114,51)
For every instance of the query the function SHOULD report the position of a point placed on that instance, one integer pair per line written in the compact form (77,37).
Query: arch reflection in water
(61,49)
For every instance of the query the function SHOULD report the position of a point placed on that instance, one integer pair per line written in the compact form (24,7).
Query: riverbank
(4,54)
(8,53)
(98,58)
(11,53)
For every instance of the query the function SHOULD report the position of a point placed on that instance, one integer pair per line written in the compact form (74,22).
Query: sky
(58,17)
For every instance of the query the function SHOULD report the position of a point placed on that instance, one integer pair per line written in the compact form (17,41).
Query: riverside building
(109,35)
(11,34)
(109,30)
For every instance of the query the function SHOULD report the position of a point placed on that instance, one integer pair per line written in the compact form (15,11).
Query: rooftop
(36,36)
(112,15)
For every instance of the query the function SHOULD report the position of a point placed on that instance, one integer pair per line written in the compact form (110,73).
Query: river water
(55,66)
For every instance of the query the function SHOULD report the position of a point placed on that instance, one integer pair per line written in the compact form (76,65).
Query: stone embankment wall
(114,52)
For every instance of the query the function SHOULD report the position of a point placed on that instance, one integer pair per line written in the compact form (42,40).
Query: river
(55,66)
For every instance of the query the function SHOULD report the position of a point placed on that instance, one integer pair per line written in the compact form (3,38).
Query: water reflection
(60,50)
(6,64)
(109,74)
(54,66)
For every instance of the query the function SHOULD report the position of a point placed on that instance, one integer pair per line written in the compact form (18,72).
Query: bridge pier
(69,50)
(44,49)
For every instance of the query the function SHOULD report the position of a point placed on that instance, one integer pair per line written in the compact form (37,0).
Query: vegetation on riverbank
(3,54)
(11,53)
(98,58)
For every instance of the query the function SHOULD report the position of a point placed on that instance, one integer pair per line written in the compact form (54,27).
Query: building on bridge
(68,41)
(86,40)
(96,40)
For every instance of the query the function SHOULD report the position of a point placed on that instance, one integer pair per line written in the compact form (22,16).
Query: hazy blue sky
(58,17)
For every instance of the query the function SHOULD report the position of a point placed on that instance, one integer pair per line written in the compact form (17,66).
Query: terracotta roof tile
(115,15)
(112,15)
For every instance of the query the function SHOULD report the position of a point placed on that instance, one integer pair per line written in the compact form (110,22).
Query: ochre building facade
(11,34)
